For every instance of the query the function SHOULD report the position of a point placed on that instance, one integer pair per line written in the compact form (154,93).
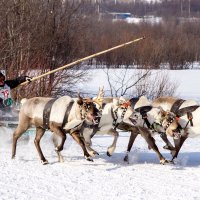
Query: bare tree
(156,84)
(39,36)
(133,82)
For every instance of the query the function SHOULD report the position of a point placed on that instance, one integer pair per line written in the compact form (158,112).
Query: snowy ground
(105,178)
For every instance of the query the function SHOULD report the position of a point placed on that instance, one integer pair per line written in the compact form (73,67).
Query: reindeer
(59,116)
(156,116)
(120,103)
(117,114)
(183,124)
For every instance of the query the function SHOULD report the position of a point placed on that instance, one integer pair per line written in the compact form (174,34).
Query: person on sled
(6,86)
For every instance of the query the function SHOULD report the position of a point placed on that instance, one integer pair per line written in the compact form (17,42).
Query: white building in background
(145,19)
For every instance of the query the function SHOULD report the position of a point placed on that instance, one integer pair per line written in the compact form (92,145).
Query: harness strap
(179,128)
(114,118)
(69,107)
(190,117)
(133,101)
(123,113)
(144,117)
(46,113)
(180,112)
(185,110)
(176,105)
(143,111)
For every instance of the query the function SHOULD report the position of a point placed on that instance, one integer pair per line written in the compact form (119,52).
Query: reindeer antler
(101,92)
(100,97)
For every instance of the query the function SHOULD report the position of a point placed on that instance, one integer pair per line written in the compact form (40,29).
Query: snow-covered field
(107,177)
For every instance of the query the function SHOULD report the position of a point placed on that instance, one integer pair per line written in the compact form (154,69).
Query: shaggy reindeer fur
(180,128)
(31,114)
(164,104)
(106,127)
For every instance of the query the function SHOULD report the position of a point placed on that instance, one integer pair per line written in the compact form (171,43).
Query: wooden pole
(83,59)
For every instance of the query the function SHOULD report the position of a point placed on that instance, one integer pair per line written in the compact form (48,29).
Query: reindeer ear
(80,99)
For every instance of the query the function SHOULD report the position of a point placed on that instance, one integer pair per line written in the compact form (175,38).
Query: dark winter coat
(15,82)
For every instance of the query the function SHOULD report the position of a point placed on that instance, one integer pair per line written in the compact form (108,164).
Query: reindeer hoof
(96,153)
(108,154)
(89,159)
(58,149)
(61,159)
(163,162)
(171,162)
(126,159)
(44,162)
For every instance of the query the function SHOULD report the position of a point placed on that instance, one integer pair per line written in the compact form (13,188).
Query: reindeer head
(170,124)
(88,110)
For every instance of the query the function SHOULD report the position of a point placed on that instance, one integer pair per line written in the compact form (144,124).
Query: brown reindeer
(58,115)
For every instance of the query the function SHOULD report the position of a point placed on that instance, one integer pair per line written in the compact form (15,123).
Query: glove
(1,103)
(27,78)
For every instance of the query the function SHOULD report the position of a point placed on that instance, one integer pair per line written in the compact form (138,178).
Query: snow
(145,19)
(107,177)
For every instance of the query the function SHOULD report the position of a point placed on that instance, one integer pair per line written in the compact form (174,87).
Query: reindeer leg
(130,144)
(112,147)
(178,144)
(78,139)
(87,141)
(151,142)
(39,134)
(16,135)
(57,130)
(168,145)
(55,142)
